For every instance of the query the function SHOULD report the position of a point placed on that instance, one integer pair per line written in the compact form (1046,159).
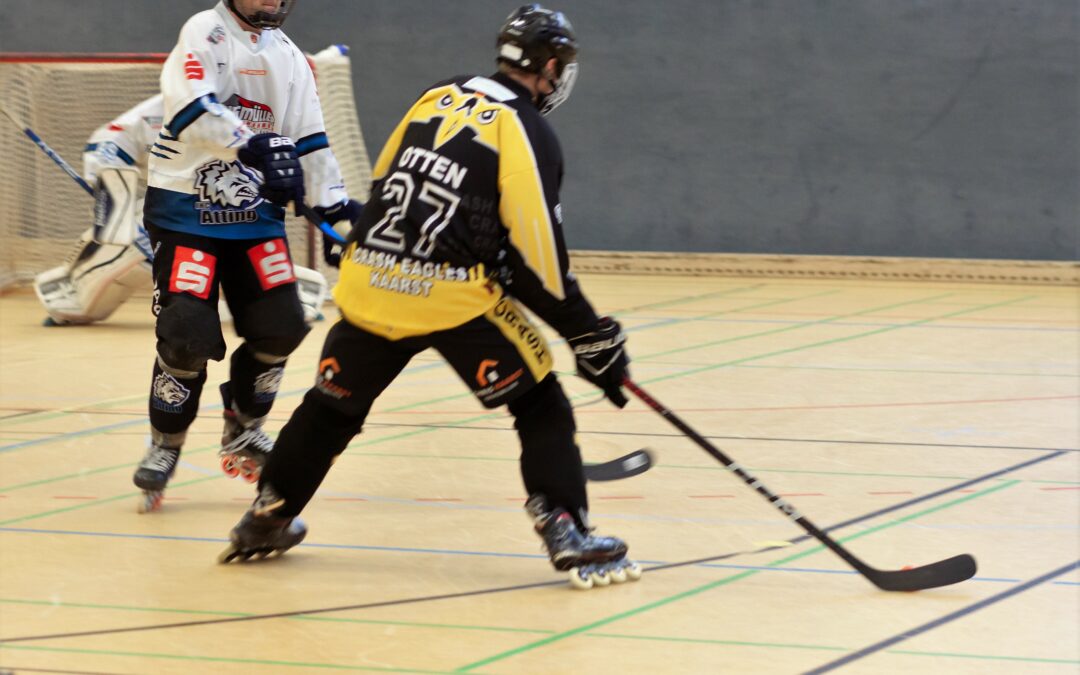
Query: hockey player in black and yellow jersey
(464,227)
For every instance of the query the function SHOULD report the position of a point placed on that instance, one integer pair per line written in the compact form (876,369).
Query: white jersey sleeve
(125,141)
(304,124)
(189,82)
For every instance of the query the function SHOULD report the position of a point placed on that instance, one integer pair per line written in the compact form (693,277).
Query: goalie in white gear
(96,277)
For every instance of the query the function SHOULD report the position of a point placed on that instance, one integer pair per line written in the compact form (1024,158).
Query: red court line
(73,497)
(345,499)
(621,497)
(711,496)
(800,494)
(896,492)
(438,499)
(1060,488)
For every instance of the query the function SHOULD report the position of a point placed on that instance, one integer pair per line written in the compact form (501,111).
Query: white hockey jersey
(125,141)
(222,85)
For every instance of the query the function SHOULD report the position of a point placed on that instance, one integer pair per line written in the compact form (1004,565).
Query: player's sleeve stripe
(159,146)
(309,144)
(158,154)
(126,158)
(191,112)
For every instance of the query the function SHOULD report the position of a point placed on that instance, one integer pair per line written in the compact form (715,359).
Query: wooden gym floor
(932,419)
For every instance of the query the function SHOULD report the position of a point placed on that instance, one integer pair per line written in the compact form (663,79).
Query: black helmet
(530,37)
(267,20)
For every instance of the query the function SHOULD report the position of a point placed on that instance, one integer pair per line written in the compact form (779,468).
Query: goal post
(65,97)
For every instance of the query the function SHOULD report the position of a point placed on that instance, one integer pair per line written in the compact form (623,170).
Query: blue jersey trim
(176,211)
(191,112)
(127,159)
(312,143)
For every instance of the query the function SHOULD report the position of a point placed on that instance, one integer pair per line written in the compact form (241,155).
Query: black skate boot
(591,560)
(262,534)
(156,468)
(244,444)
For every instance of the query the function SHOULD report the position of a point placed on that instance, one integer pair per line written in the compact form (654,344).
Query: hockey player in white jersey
(96,278)
(236,93)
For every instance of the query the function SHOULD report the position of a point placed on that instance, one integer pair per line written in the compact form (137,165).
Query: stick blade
(942,573)
(637,462)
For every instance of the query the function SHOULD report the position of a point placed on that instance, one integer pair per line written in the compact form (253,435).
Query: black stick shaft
(779,502)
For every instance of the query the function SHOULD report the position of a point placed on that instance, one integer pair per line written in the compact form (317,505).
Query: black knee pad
(189,334)
(274,324)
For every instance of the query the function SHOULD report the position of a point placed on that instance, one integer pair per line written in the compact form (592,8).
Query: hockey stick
(637,462)
(316,220)
(53,155)
(942,573)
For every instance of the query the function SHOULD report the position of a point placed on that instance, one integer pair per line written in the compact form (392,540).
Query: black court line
(519,587)
(658,434)
(952,616)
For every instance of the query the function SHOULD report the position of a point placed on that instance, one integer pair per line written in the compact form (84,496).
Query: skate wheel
(228,465)
(633,571)
(579,578)
(150,502)
(250,470)
(599,575)
(618,575)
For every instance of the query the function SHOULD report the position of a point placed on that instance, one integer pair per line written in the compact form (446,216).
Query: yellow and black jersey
(472,171)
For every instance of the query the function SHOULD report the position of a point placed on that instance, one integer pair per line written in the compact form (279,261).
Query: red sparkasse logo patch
(192,68)
(272,264)
(192,272)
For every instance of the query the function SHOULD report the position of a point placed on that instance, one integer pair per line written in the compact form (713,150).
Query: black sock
(550,459)
(304,451)
(253,383)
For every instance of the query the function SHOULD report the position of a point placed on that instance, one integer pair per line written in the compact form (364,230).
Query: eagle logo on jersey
(461,110)
(227,185)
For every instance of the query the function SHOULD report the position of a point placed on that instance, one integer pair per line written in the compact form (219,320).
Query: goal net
(63,98)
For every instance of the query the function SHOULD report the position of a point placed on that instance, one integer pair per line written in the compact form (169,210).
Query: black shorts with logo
(258,280)
(500,356)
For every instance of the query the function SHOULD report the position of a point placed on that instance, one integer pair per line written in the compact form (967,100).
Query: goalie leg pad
(312,288)
(93,283)
(116,212)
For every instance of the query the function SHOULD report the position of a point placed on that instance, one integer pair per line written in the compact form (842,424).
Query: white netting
(42,211)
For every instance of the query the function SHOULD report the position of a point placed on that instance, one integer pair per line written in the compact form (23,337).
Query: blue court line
(459,552)
(912,632)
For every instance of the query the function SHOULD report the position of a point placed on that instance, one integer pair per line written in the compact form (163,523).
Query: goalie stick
(637,462)
(942,573)
(53,155)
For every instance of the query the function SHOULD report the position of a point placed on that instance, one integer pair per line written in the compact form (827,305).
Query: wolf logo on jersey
(226,184)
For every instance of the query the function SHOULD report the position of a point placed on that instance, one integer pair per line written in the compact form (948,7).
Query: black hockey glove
(601,358)
(347,211)
(275,157)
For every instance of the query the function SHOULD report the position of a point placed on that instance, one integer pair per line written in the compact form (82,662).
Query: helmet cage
(532,36)
(265,20)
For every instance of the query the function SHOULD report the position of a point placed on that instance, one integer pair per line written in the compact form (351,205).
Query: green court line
(832,341)
(89,472)
(722,582)
(105,405)
(918,371)
(221,659)
(98,502)
(656,379)
(534,631)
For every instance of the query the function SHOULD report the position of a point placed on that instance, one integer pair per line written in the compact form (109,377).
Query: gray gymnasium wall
(945,128)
